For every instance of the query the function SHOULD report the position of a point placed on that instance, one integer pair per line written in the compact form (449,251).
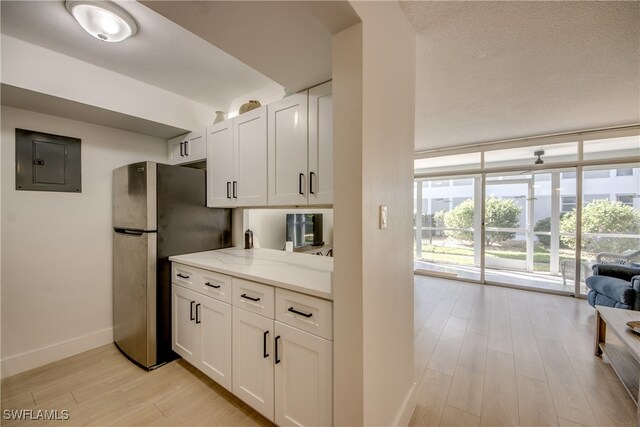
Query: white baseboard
(408,406)
(13,365)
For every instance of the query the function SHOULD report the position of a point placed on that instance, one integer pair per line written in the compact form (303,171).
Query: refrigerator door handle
(125,231)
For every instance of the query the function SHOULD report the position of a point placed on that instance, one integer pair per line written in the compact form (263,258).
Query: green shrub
(503,213)
(545,225)
(606,217)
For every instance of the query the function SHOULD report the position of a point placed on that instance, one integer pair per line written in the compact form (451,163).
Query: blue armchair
(615,285)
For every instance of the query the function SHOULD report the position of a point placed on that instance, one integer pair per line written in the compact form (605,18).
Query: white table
(620,345)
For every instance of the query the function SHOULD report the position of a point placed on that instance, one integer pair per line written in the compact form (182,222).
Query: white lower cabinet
(253,360)
(270,347)
(183,322)
(303,378)
(201,328)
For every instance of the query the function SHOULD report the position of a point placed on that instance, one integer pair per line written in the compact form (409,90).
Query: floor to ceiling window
(507,214)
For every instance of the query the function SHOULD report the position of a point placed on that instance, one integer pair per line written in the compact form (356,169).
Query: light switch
(383,217)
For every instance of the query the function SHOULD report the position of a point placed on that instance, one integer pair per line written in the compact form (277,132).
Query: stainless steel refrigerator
(158,211)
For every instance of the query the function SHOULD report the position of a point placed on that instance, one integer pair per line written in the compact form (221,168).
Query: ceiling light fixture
(104,20)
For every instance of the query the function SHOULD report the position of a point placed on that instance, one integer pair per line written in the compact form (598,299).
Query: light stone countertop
(308,274)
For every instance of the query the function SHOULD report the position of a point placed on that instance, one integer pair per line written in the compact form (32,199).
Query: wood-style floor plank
(500,394)
(483,355)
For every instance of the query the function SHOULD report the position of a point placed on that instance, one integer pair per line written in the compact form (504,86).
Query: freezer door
(134,196)
(134,295)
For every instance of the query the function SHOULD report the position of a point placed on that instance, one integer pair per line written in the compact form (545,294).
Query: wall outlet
(383,217)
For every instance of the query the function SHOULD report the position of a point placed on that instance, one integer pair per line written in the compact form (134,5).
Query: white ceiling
(162,54)
(489,71)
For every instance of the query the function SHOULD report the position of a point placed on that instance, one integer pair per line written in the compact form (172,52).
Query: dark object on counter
(248,239)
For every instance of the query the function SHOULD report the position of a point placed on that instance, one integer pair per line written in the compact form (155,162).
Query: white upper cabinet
(220,158)
(250,142)
(188,148)
(301,148)
(277,155)
(288,150)
(237,161)
(321,145)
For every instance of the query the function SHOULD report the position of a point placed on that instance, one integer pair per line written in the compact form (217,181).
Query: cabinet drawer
(215,285)
(311,314)
(254,297)
(184,275)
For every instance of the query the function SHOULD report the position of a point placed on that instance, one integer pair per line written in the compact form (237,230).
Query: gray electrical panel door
(46,162)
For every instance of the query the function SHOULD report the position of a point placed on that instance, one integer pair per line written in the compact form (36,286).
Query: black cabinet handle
(235,189)
(186,148)
(213,286)
(191,311)
(197,313)
(293,310)
(182,277)
(245,296)
(300,176)
(276,346)
(264,345)
(311,175)
(228,189)
(181,149)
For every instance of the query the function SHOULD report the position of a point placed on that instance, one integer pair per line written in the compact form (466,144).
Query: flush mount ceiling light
(103,20)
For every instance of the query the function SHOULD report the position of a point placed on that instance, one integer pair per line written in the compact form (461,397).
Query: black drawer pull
(191,311)
(213,286)
(311,175)
(182,277)
(181,149)
(245,296)
(276,345)
(228,189)
(264,345)
(197,313)
(235,189)
(300,176)
(293,310)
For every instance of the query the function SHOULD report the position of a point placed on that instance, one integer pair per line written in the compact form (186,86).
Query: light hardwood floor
(494,356)
(484,356)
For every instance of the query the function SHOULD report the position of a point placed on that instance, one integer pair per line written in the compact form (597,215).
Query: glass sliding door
(523,243)
(610,217)
(448,226)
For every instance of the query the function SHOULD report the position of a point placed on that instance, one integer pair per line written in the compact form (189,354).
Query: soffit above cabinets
(47,104)
(288,41)
(162,54)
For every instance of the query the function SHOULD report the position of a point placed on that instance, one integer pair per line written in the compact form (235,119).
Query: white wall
(56,247)
(24,65)
(268,225)
(380,283)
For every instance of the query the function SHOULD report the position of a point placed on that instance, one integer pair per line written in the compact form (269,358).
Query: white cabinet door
(250,143)
(214,358)
(321,145)
(220,158)
(287,142)
(176,150)
(303,378)
(183,323)
(252,360)
(195,146)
